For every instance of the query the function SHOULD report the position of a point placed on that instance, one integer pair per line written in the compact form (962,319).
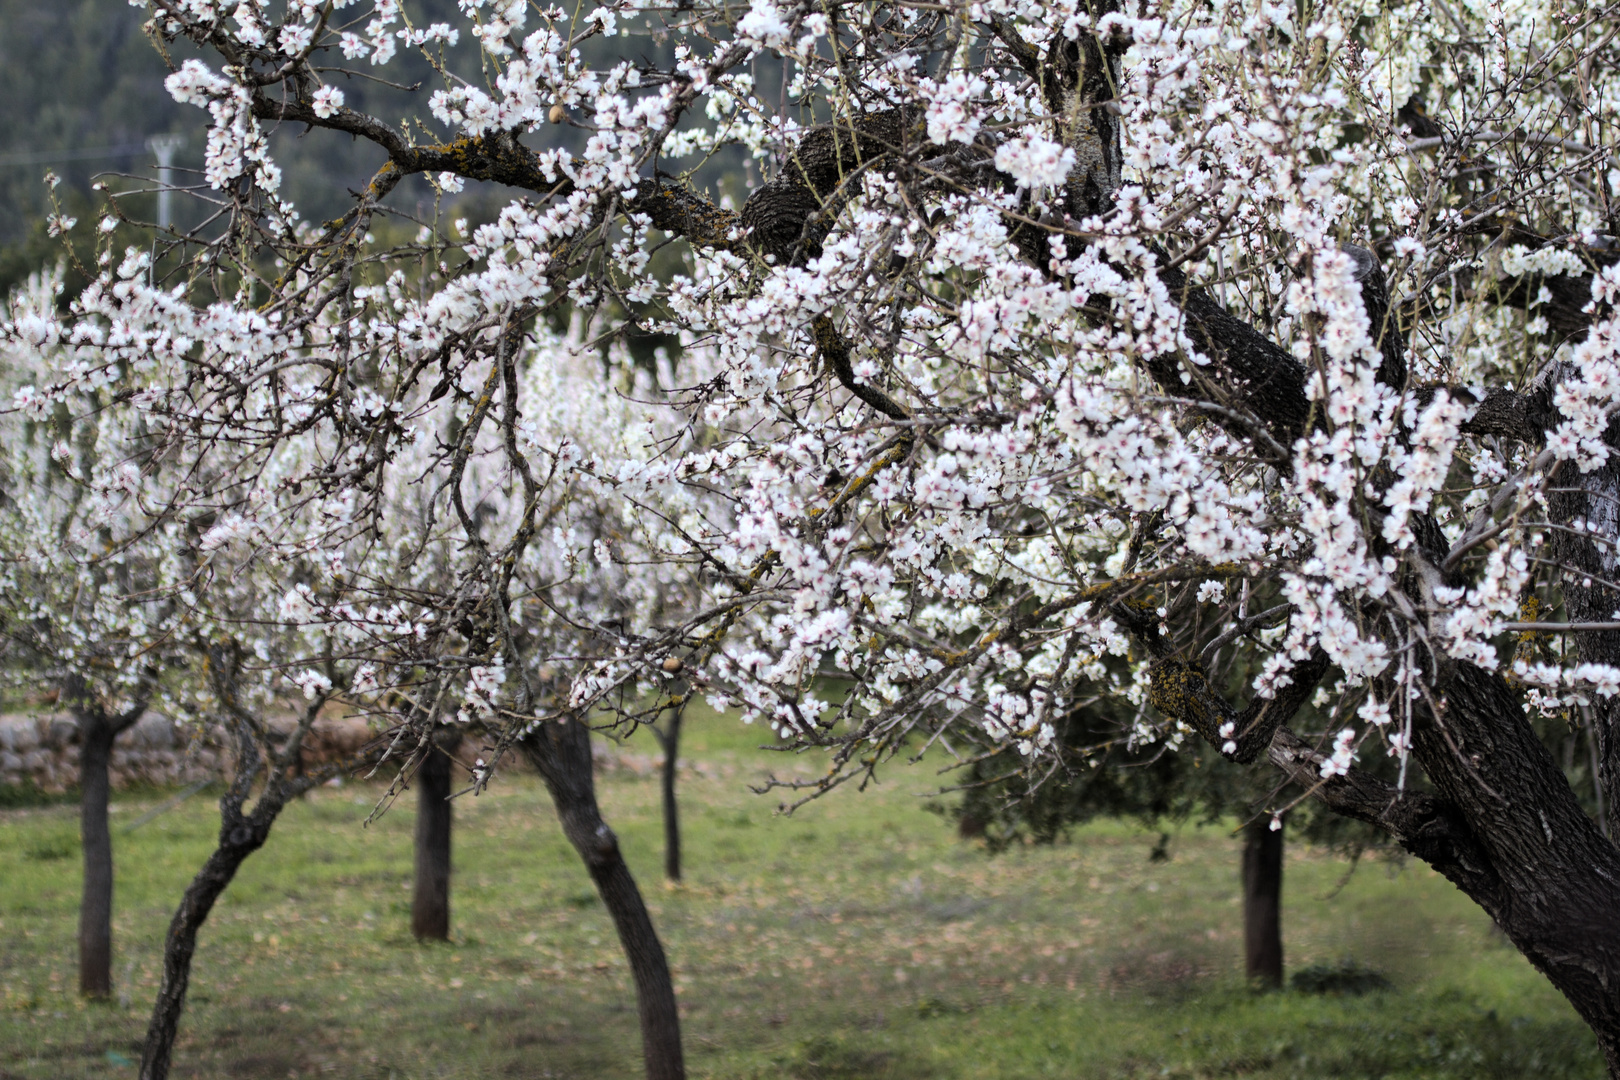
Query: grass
(858,938)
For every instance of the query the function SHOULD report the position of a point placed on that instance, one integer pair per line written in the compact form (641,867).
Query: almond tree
(126,593)
(1264,338)
(265,767)
(84,588)
(430,888)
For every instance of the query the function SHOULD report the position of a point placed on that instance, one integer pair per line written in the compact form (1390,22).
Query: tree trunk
(430,903)
(240,835)
(1552,881)
(181,943)
(671,740)
(1503,826)
(1589,553)
(1262,904)
(561,752)
(95,906)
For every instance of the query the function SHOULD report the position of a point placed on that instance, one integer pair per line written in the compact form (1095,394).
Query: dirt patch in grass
(1159,972)
(825,1057)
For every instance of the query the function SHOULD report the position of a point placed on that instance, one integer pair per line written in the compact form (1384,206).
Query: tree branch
(1427,827)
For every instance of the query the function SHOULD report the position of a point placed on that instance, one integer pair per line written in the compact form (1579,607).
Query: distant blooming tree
(86,590)
(125,595)
(1199,356)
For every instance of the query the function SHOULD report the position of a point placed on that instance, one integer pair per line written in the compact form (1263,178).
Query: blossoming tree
(1073,348)
(127,593)
(84,603)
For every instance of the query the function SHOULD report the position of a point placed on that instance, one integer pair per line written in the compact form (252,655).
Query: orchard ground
(857,938)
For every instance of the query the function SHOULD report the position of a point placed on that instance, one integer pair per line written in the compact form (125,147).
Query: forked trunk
(430,902)
(1262,903)
(95,906)
(561,752)
(240,835)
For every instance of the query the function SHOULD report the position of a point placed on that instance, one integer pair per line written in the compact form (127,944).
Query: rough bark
(1262,903)
(1380,316)
(561,753)
(1505,828)
(430,898)
(1559,891)
(1080,80)
(179,947)
(786,219)
(1179,690)
(240,835)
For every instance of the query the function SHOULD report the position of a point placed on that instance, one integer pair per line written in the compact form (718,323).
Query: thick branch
(1180,691)
(1247,368)
(1425,826)
(835,354)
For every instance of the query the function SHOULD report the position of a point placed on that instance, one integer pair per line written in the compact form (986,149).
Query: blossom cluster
(975,457)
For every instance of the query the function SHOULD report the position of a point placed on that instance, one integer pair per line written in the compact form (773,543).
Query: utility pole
(165,147)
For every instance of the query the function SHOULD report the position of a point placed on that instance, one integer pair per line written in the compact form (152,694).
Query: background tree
(98,727)
(668,735)
(430,892)
(84,587)
(1097,770)
(269,774)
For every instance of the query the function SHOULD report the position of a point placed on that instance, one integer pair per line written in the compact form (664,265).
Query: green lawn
(858,938)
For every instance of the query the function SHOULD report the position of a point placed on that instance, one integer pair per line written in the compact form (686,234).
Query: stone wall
(43,749)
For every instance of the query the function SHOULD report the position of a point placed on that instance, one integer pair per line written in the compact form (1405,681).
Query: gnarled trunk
(240,834)
(1262,903)
(236,843)
(561,752)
